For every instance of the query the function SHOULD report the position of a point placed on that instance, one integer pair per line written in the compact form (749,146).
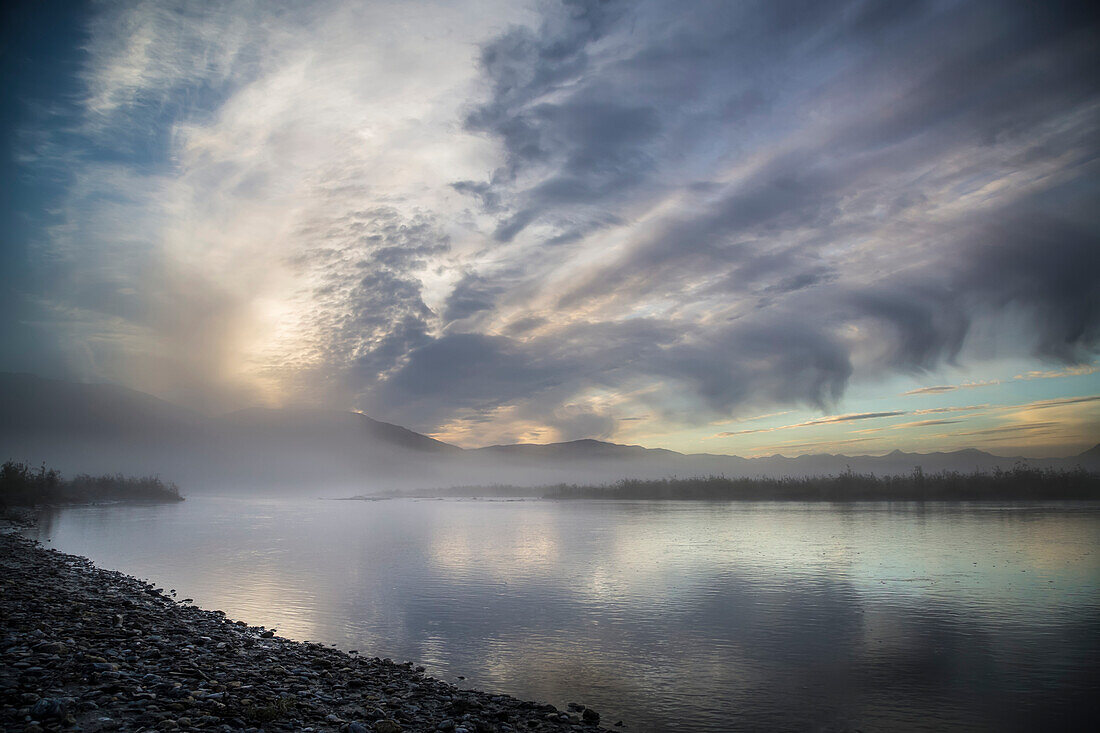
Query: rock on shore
(90,649)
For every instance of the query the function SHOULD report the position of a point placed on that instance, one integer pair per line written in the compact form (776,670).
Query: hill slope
(104,428)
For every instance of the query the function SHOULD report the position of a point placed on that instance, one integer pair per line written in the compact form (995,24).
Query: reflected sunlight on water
(679,615)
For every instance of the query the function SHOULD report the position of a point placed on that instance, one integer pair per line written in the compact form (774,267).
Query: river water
(693,616)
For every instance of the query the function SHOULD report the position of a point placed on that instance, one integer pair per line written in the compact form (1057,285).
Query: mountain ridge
(107,428)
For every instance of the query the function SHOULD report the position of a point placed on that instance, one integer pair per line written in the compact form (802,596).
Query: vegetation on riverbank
(21,485)
(1020,483)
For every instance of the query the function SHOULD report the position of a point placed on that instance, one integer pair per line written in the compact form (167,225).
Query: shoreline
(83,648)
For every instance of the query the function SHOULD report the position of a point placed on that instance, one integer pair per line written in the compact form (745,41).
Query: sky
(746,228)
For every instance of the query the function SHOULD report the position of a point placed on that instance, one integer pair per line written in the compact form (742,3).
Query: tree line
(22,485)
(1022,482)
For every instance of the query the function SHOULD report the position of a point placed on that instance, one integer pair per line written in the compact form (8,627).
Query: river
(701,616)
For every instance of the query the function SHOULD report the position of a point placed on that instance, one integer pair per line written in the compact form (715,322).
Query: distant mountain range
(99,428)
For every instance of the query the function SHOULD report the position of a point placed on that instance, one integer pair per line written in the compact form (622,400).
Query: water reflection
(690,616)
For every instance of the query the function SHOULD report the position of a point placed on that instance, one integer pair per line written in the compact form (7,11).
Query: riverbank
(1022,483)
(23,485)
(90,649)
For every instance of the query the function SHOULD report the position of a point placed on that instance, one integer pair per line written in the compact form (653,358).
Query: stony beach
(82,648)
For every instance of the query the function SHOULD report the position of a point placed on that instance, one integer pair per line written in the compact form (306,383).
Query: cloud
(1073,371)
(1049,427)
(1070,371)
(1059,402)
(472,294)
(924,423)
(575,150)
(858,416)
(1007,429)
(940,389)
(554,217)
(828,420)
(959,408)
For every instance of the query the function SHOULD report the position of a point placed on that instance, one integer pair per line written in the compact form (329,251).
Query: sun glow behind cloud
(500,222)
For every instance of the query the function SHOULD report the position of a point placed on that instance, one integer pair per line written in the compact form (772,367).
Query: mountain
(574,449)
(296,447)
(1090,458)
(603,461)
(30,403)
(353,428)
(99,428)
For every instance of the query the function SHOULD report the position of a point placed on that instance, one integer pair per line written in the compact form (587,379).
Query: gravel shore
(83,648)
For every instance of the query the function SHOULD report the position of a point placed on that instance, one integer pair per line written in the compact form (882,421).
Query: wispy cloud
(828,420)
(957,408)
(551,217)
(1072,371)
(1065,421)
(754,418)
(855,416)
(1058,402)
(936,389)
(924,424)
(942,388)
(1012,429)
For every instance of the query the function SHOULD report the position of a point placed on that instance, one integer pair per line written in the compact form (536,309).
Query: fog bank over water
(106,429)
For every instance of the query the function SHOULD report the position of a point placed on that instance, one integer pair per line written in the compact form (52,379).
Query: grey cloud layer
(827,161)
(682,211)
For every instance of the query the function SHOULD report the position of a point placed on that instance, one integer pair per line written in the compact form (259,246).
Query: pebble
(83,648)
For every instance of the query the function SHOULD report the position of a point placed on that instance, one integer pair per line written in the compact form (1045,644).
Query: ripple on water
(674,616)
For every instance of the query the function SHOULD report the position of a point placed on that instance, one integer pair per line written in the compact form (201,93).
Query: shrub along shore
(21,485)
(1022,483)
(87,649)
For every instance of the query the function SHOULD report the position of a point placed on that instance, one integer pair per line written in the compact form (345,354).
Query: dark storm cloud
(757,363)
(466,371)
(794,354)
(770,361)
(1032,262)
(920,330)
(472,294)
(480,373)
(678,210)
(581,425)
(739,234)
(522,65)
(1046,266)
(592,125)
(605,103)
(588,145)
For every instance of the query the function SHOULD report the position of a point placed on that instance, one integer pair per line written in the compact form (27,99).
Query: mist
(80,428)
